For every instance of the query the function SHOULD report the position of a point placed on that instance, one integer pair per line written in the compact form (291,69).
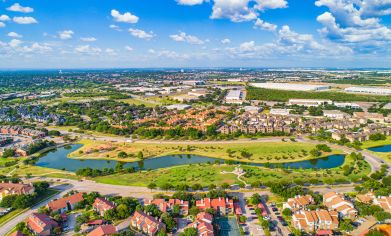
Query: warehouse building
(292,87)
(370,90)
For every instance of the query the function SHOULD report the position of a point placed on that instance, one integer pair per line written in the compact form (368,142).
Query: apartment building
(298,203)
(339,203)
(311,221)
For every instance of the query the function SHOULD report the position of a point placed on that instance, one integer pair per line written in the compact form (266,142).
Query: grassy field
(206,174)
(22,170)
(254,93)
(14,213)
(261,152)
(134,101)
(384,155)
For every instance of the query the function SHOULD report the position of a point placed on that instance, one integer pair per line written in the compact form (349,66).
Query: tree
(169,221)
(375,233)
(176,210)
(122,154)
(152,186)
(287,212)
(194,211)
(315,153)
(225,185)
(7,201)
(140,155)
(255,199)
(189,232)
(382,215)
(8,152)
(346,225)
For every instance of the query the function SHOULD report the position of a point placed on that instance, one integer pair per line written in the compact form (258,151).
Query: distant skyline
(195,33)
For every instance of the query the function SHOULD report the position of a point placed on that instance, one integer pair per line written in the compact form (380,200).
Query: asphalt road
(12,223)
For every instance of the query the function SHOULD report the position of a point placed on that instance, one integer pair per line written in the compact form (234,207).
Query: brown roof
(62,202)
(103,230)
(15,188)
(40,222)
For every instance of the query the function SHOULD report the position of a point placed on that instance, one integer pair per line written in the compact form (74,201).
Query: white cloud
(14,43)
(87,49)
(88,39)
(243,10)
(18,8)
(4,18)
(25,20)
(111,51)
(138,33)
(66,34)
(115,27)
(225,41)
(14,35)
(128,48)
(190,2)
(183,37)
(2,25)
(264,25)
(355,22)
(169,54)
(127,17)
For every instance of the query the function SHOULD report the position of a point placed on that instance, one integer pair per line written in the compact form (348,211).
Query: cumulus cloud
(138,33)
(14,35)
(87,49)
(190,2)
(24,20)
(238,10)
(111,51)
(2,25)
(355,22)
(128,48)
(14,43)
(169,54)
(66,34)
(264,25)
(127,17)
(225,41)
(288,43)
(4,18)
(88,39)
(18,8)
(183,37)
(115,27)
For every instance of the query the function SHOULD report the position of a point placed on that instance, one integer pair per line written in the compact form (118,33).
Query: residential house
(203,224)
(7,189)
(146,224)
(222,206)
(66,203)
(298,203)
(335,114)
(311,221)
(338,202)
(103,230)
(167,206)
(381,201)
(101,205)
(41,224)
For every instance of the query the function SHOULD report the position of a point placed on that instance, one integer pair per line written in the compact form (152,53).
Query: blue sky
(194,33)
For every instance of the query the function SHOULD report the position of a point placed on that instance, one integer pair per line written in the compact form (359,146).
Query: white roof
(289,86)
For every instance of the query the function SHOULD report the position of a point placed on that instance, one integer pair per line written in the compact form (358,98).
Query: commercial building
(292,87)
(335,114)
(369,90)
(308,102)
(178,107)
(235,97)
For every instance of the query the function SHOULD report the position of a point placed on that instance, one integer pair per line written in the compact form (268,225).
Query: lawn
(257,152)
(4,219)
(384,155)
(4,161)
(206,174)
(369,144)
(134,101)
(23,170)
(254,93)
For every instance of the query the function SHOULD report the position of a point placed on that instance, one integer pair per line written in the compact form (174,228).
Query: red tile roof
(103,230)
(62,202)
(40,222)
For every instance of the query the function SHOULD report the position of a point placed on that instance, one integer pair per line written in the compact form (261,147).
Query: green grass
(254,93)
(49,193)
(134,101)
(206,174)
(369,144)
(261,152)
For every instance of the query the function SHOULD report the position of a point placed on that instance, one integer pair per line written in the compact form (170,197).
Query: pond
(385,148)
(57,159)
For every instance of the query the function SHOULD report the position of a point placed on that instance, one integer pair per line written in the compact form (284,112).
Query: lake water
(57,159)
(385,148)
